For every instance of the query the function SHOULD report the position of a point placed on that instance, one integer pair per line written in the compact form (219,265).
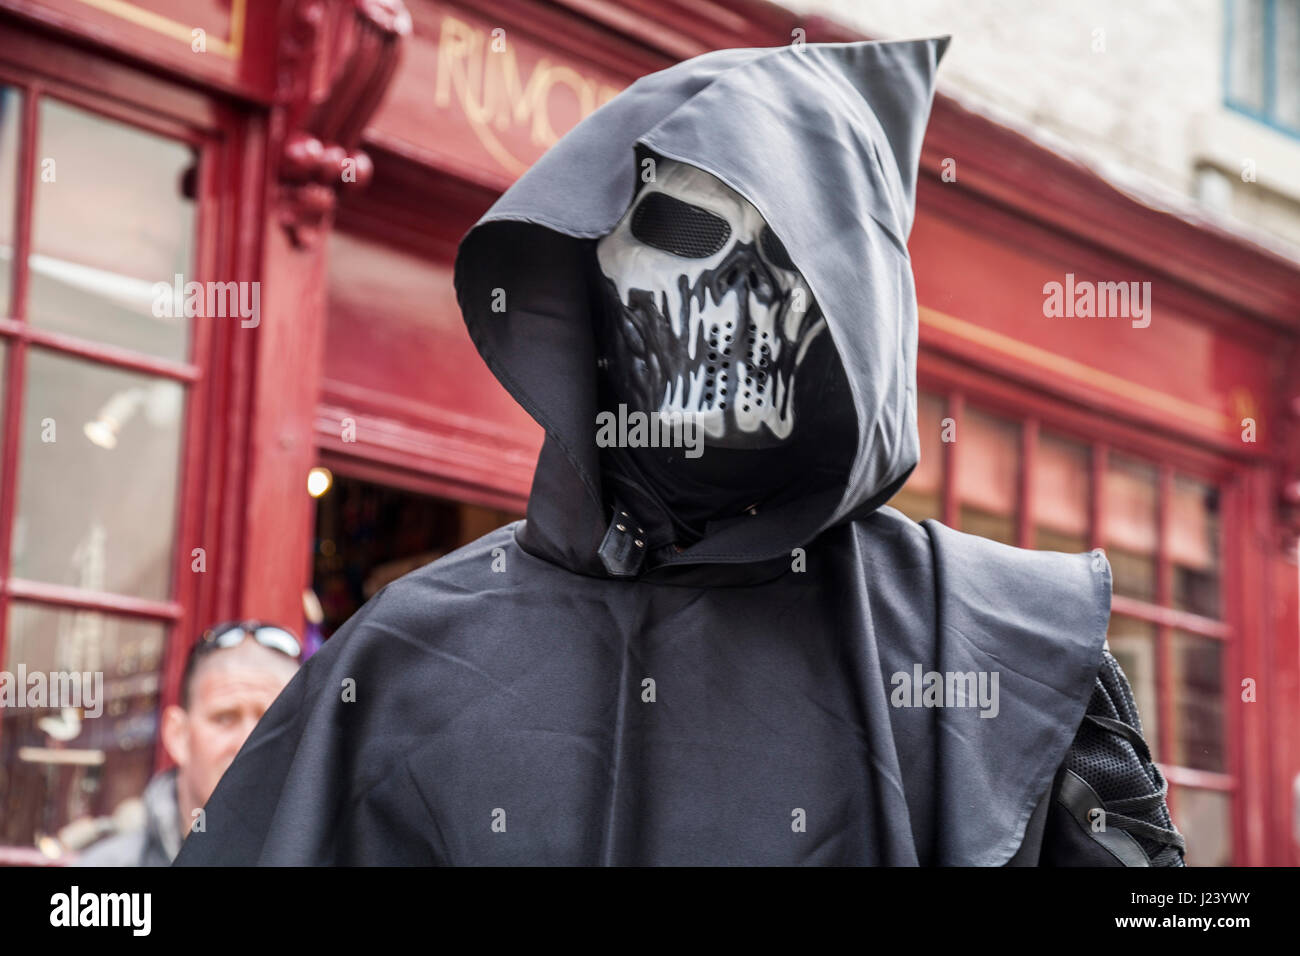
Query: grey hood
(824,140)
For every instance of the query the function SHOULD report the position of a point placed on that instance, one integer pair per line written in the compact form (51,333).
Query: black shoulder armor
(1107,804)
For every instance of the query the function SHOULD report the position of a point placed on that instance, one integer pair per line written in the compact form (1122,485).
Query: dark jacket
(583,688)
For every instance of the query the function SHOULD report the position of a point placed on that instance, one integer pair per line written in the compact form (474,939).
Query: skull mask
(708,315)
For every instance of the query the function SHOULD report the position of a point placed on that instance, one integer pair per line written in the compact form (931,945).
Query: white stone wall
(1133,88)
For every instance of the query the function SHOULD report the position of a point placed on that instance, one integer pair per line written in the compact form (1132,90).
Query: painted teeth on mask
(762,392)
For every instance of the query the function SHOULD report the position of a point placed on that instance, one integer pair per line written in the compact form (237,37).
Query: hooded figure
(710,642)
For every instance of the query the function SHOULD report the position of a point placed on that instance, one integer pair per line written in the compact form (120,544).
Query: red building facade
(153,476)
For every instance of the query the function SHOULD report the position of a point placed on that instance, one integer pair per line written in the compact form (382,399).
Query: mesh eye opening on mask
(678,227)
(774,250)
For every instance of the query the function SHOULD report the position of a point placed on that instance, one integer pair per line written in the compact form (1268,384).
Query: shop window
(1017,480)
(99,384)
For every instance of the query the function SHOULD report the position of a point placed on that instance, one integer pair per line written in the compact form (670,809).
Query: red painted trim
(92,34)
(248,182)
(72,72)
(393,474)
(1243,728)
(26,856)
(1170,618)
(343,398)
(962,204)
(16,353)
(1010,395)
(1164,661)
(1071,200)
(1281,594)
(1198,779)
(189,475)
(99,352)
(474,458)
(62,595)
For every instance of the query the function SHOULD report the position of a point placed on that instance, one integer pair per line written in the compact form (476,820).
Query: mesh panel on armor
(1113,767)
(678,227)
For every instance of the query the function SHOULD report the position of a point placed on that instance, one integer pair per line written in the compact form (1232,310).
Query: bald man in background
(233,674)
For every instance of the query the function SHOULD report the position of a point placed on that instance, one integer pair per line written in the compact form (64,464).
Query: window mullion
(16,353)
(951,507)
(1025,521)
(1164,660)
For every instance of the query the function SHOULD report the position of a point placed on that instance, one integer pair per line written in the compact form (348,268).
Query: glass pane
(1133,644)
(1286,46)
(97,477)
(1194,546)
(1246,55)
(11,114)
(1060,494)
(76,756)
(922,496)
(1198,702)
(110,219)
(1129,535)
(988,471)
(1204,818)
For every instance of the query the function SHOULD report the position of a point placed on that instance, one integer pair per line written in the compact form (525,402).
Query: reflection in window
(1133,644)
(1194,546)
(61,764)
(922,496)
(988,471)
(1130,533)
(11,113)
(1198,702)
(97,477)
(1060,494)
(110,219)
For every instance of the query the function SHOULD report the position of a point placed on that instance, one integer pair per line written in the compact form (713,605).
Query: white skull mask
(712,318)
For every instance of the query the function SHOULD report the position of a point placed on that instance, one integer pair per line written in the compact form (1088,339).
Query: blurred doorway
(369,534)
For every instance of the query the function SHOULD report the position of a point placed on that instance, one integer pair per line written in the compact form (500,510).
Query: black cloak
(556,693)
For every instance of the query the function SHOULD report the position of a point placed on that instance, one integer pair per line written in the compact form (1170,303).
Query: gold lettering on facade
(495,98)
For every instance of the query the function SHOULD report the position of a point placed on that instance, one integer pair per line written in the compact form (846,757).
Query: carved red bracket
(336,60)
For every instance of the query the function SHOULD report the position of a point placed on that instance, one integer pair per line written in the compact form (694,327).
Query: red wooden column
(336,61)
(286,380)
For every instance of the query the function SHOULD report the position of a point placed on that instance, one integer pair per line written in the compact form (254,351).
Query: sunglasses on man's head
(233,633)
